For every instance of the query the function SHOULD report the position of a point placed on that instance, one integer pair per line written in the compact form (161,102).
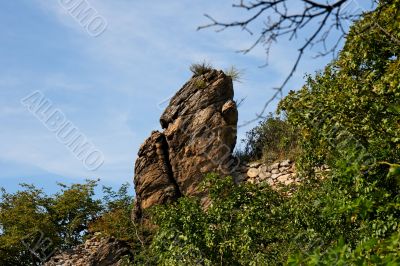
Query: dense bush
(273,139)
(342,219)
(228,233)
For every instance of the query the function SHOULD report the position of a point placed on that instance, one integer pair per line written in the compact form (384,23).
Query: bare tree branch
(322,17)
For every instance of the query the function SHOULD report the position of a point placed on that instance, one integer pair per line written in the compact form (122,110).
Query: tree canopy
(35,225)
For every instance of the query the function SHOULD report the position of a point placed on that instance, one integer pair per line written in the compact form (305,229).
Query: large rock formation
(198,138)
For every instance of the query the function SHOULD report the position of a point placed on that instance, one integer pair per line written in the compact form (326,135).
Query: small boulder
(275,176)
(285,163)
(264,175)
(275,171)
(254,164)
(253,172)
(285,179)
(275,166)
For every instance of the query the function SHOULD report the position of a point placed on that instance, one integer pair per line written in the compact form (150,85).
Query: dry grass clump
(199,69)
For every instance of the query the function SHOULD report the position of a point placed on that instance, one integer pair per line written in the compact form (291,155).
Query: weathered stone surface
(275,166)
(230,113)
(285,179)
(254,164)
(252,172)
(109,252)
(200,128)
(285,163)
(275,171)
(264,175)
(198,138)
(154,183)
(95,251)
(283,169)
(275,176)
(278,175)
(271,182)
(264,168)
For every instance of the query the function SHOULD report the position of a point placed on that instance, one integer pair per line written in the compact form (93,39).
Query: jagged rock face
(153,179)
(94,252)
(200,126)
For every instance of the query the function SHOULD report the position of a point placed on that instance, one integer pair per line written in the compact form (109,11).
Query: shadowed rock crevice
(163,153)
(153,180)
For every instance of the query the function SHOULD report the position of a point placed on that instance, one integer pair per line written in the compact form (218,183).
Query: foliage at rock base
(273,139)
(346,117)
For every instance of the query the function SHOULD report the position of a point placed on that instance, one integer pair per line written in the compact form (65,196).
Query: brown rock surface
(153,179)
(200,128)
(253,172)
(199,137)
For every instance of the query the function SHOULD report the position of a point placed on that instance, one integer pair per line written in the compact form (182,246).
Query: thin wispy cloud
(111,86)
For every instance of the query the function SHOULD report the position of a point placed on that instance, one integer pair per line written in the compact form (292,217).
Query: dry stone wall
(96,251)
(278,174)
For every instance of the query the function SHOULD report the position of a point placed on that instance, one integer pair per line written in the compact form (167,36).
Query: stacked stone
(277,174)
(95,251)
(77,256)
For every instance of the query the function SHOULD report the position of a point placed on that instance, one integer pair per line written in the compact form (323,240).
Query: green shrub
(273,139)
(201,84)
(348,118)
(234,230)
(115,220)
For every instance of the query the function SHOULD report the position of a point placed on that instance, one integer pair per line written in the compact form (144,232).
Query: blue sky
(112,87)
